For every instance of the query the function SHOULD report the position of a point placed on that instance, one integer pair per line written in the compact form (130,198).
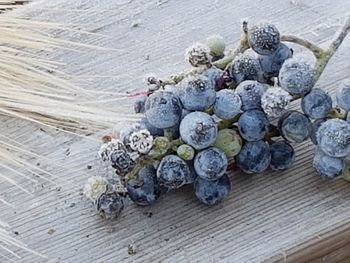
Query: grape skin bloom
(227,104)
(210,164)
(212,192)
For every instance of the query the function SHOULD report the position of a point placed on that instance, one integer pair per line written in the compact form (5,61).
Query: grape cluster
(190,130)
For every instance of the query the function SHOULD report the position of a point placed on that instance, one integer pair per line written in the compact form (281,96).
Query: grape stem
(326,55)
(316,50)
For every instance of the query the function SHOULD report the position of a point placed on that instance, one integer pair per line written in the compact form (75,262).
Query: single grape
(343,95)
(282,156)
(253,125)
(229,142)
(139,104)
(163,109)
(296,76)
(198,55)
(118,155)
(173,172)
(110,205)
(333,138)
(264,38)
(271,64)
(210,164)
(212,192)
(316,104)
(227,104)
(294,126)
(141,141)
(250,93)
(216,44)
(145,189)
(326,166)
(275,101)
(244,67)
(314,128)
(199,130)
(254,157)
(185,152)
(197,93)
(121,161)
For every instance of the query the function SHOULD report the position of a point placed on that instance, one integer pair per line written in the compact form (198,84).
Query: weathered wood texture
(267,217)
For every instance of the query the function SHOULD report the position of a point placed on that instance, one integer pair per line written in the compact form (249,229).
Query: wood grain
(266,217)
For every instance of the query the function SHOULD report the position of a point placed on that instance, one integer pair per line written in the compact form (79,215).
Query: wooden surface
(268,217)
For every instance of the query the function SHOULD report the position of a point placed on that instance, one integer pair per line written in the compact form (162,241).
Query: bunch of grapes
(191,129)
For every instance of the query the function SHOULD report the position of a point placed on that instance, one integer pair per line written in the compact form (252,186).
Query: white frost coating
(141,141)
(275,101)
(198,54)
(107,148)
(95,187)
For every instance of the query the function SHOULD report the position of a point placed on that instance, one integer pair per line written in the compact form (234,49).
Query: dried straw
(33,88)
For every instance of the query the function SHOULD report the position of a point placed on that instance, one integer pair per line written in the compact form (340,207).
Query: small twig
(305,43)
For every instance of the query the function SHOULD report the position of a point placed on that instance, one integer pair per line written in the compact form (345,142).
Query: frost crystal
(141,141)
(198,54)
(95,187)
(109,147)
(275,101)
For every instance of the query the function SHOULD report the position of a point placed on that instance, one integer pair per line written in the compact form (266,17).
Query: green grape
(185,152)
(229,142)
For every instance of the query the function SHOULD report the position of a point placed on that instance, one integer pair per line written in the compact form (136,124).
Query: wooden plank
(265,216)
(333,246)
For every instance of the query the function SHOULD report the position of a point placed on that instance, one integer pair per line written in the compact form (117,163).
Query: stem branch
(305,43)
(327,54)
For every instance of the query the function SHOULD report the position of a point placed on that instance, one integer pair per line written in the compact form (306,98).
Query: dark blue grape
(198,130)
(163,109)
(253,125)
(145,189)
(212,192)
(173,172)
(244,67)
(254,157)
(326,166)
(264,38)
(282,156)
(250,93)
(294,126)
(210,164)
(227,104)
(333,138)
(271,64)
(110,205)
(296,76)
(197,93)
(317,104)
